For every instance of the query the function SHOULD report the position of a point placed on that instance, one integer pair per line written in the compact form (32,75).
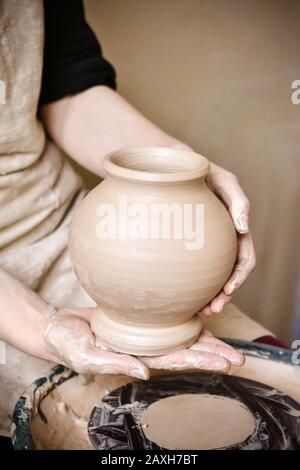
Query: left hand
(226,186)
(208,353)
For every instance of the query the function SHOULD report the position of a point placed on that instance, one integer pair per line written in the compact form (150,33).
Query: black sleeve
(73,58)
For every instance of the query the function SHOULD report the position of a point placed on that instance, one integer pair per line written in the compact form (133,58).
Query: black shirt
(73,60)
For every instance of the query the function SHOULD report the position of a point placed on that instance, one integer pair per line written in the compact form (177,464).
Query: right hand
(207,353)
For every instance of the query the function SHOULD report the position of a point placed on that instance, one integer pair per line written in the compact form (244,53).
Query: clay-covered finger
(102,362)
(245,264)
(219,348)
(188,359)
(208,338)
(238,204)
(219,302)
(227,187)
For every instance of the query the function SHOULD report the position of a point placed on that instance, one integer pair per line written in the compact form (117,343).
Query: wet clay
(200,422)
(149,287)
(116,422)
(67,410)
(68,407)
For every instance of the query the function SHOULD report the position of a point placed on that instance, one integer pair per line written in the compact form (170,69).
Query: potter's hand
(226,186)
(68,335)
(208,353)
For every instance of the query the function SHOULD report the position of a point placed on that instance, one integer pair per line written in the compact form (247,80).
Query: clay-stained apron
(37,188)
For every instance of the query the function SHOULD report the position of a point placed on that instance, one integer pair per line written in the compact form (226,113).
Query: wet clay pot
(152,245)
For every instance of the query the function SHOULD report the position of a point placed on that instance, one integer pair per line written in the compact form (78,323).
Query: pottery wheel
(122,419)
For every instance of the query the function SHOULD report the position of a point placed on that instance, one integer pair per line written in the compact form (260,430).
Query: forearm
(23,317)
(97,121)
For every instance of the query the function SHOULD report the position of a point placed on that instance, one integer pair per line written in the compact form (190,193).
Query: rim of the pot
(159,165)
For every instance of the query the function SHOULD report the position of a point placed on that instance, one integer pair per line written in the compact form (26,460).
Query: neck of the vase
(156,165)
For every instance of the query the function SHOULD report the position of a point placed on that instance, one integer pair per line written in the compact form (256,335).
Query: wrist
(43,347)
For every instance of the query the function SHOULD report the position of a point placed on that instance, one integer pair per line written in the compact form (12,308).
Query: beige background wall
(218,74)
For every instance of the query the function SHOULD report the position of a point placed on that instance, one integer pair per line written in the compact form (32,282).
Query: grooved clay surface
(146,286)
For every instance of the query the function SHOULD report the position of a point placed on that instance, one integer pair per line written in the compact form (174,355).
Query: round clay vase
(152,245)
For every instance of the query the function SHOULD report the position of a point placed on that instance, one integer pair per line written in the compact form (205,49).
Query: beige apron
(38,188)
